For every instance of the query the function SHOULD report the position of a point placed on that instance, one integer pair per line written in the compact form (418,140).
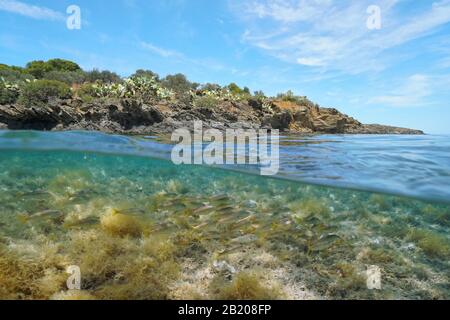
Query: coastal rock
(379,129)
(134,117)
(131,114)
(280,121)
(38,118)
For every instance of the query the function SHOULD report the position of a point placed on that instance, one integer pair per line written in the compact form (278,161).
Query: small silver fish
(203,209)
(42,215)
(89,221)
(37,193)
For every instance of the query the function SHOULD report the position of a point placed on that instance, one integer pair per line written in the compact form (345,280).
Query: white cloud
(312,62)
(332,35)
(165,53)
(205,63)
(418,26)
(31,11)
(412,93)
(288,11)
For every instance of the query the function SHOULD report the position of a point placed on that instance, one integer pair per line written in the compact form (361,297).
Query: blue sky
(397,75)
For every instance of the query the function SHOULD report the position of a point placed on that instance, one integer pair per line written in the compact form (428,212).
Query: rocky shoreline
(129,116)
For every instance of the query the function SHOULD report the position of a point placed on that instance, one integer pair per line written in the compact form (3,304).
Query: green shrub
(9,92)
(238,93)
(146,74)
(234,88)
(103,76)
(291,97)
(208,101)
(260,95)
(87,92)
(6,67)
(178,83)
(210,87)
(7,96)
(63,65)
(68,77)
(39,92)
(288,96)
(15,76)
(38,68)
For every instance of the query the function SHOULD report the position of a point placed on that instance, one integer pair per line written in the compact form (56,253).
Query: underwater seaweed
(73,295)
(380,201)
(121,225)
(437,214)
(349,281)
(25,277)
(306,209)
(378,256)
(246,286)
(143,229)
(124,268)
(433,244)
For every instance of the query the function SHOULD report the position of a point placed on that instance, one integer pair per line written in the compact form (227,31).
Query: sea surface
(341,209)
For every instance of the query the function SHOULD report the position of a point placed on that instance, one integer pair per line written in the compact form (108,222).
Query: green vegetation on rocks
(39,68)
(39,92)
(9,92)
(102,76)
(147,103)
(143,85)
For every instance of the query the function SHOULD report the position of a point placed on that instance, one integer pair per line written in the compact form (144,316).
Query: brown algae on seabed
(118,224)
(144,229)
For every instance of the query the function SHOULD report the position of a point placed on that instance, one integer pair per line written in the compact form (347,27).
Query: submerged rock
(223,266)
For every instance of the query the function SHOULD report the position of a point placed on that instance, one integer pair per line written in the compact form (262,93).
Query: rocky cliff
(132,117)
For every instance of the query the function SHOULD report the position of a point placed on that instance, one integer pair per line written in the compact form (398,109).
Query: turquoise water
(140,227)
